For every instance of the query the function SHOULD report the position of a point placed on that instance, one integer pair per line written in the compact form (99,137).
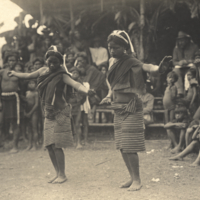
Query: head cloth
(118,34)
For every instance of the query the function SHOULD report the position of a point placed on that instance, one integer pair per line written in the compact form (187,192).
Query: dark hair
(173,75)
(21,64)
(82,55)
(40,59)
(193,72)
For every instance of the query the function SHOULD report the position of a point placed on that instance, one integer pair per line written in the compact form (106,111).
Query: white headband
(117,33)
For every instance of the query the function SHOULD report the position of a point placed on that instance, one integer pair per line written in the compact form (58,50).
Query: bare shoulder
(43,70)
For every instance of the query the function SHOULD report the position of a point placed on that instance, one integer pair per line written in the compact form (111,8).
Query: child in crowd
(190,148)
(179,124)
(32,114)
(76,100)
(169,98)
(191,94)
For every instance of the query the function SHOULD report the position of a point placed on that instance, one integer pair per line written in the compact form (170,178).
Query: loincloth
(11,105)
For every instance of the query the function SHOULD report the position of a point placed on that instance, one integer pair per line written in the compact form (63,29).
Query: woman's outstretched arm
(32,75)
(76,85)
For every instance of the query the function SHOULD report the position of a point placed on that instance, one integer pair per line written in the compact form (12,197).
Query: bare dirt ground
(95,173)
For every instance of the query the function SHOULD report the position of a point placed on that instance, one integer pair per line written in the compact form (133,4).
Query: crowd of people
(21,112)
(46,89)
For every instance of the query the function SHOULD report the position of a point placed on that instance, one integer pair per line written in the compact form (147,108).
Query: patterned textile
(129,126)
(58,131)
(11,105)
(129,133)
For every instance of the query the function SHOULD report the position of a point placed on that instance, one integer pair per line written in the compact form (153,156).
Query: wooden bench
(107,109)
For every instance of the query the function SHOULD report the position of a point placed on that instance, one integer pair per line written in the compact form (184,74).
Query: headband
(118,32)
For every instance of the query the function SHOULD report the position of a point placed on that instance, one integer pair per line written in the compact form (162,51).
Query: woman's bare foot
(135,186)
(127,184)
(53,179)
(176,158)
(60,179)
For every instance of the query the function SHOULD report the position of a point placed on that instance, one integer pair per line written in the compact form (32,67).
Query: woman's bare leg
(52,156)
(60,158)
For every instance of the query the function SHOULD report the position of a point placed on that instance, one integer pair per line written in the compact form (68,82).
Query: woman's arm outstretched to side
(32,75)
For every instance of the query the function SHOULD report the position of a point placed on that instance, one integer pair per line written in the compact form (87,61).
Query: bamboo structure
(41,12)
(71,16)
(142,23)
(101,5)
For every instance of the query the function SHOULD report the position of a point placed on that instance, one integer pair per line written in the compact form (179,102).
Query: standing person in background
(169,99)
(125,77)
(57,125)
(32,114)
(183,57)
(10,102)
(99,54)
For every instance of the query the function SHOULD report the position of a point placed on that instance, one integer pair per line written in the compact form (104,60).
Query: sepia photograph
(100,99)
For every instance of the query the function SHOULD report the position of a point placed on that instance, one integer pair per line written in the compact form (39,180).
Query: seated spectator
(169,98)
(183,56)
(190,148)
(190,98)
(99,54)
(148,102)
(194,123)
(179,124)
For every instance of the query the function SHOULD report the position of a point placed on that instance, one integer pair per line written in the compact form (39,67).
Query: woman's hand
(11,73)
(106,100)
(91,92)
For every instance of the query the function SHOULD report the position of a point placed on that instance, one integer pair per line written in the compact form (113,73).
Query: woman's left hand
(11,73)
(91,92)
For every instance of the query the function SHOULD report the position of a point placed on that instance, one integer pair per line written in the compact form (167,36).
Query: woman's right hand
(106,100)
(11,73)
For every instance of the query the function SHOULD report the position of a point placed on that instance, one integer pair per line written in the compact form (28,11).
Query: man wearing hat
(179,124)
(183,58)
(52,80)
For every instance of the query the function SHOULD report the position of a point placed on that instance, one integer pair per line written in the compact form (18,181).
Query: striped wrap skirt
(58,130)
(129,131)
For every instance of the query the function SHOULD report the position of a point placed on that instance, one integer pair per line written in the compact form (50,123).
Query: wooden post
(101,5)
(41,12)
(142,23)
(71,16)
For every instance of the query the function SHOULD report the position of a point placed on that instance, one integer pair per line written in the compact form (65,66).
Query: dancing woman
(126,81)
(51,81)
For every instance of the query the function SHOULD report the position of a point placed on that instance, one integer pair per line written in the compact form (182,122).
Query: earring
(124,50)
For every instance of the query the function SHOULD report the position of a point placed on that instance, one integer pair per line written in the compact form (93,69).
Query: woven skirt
(129,132)
(58,131)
